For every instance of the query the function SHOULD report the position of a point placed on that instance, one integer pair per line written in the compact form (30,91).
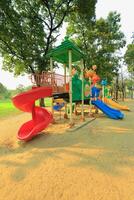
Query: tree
(129,57)
(129,82)
(4,92)
(28,30)
(20,88)
(101,41)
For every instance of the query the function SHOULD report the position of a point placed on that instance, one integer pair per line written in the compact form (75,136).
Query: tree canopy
(101,41)
(30,28)
(4,92)
(129,56)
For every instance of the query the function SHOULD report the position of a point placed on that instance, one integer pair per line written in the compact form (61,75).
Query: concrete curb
(80,125)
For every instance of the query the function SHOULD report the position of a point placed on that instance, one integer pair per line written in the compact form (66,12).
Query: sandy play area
(95,162)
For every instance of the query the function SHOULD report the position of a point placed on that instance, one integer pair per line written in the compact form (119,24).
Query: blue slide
(110,112)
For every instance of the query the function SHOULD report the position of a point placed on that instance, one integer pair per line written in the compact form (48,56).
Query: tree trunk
(38,81)
(125,93)
(116,87)
(122,85)
(42,103)
(132,89)
(132,93)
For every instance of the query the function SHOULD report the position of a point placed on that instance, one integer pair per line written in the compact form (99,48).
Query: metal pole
(90,102)
(51,64)
(70,85)
(103,93)
(82,104)
(52,81)
(65,115)
(65,77)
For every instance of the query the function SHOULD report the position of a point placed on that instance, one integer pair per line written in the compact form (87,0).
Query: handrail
(56,81)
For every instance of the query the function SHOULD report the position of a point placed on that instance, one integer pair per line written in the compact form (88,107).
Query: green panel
(86,89)
(106,92)
(76,88)
(60,53)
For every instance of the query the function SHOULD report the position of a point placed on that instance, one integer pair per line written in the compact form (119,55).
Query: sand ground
(95,162)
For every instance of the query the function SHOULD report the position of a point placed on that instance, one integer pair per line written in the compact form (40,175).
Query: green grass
(47,102)
(8,109)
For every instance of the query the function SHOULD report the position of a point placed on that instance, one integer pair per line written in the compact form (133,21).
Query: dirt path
(94,163)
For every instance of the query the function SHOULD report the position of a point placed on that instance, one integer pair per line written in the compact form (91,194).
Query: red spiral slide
(40,116)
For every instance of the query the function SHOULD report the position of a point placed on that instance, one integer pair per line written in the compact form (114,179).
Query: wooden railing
(57,81)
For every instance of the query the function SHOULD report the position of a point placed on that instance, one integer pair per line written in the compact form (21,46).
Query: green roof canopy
(60,53)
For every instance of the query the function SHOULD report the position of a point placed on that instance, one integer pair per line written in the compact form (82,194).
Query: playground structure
(50,79)
(62,89)
(107,99)
(115,105)
(66,53)
(95,91)
(40,116)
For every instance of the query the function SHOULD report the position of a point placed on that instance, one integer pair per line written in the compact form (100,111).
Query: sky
(103,7)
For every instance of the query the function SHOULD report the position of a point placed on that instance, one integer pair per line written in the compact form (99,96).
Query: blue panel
(58,107)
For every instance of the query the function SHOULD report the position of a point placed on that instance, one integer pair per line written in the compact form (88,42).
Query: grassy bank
(8,109)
